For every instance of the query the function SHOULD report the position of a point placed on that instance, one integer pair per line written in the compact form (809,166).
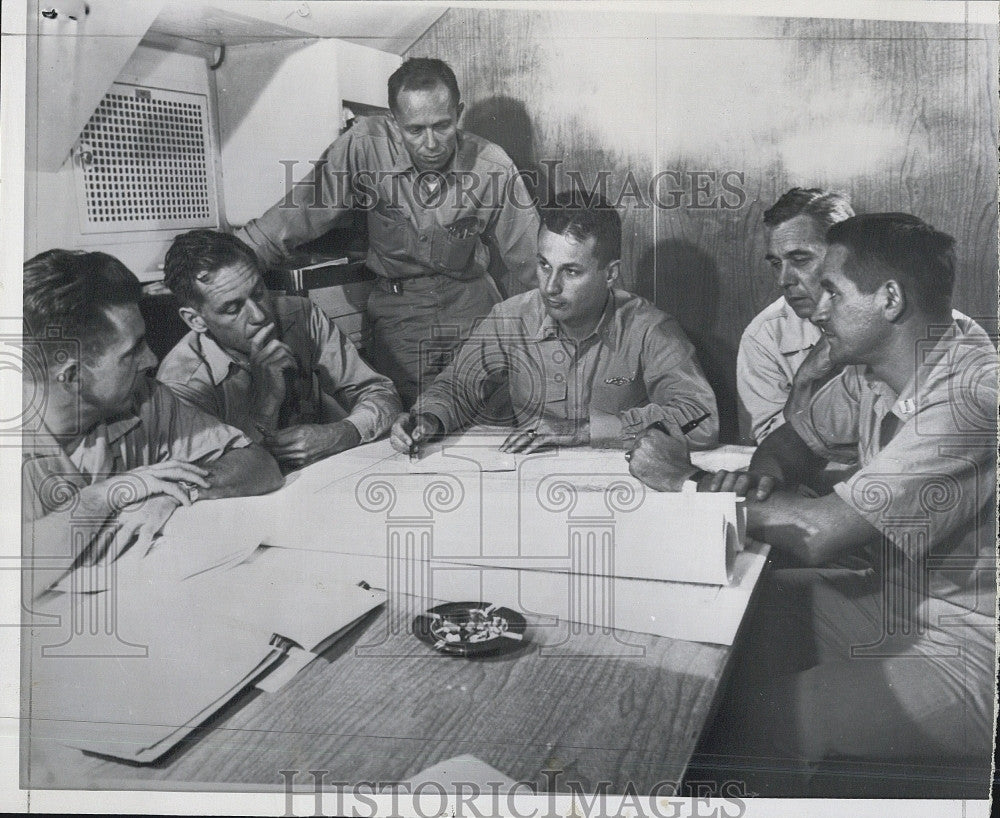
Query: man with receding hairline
(274,366)
(894,660)
(780,337)
(441,203)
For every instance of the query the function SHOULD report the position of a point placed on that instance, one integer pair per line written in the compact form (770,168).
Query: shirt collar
(548,327)
(219,361)
(798,334)
(913,394)
(117,429)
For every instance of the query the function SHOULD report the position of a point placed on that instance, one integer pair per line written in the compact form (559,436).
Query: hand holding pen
(659,456)
(411,431)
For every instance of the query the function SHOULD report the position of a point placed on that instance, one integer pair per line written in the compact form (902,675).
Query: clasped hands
(663,462)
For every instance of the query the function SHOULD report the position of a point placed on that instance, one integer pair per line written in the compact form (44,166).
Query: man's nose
(148,359)
(257,313)
(430,140)
(786,276)
(551,283)
(822,311)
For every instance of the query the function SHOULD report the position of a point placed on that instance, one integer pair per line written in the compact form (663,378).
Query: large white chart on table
(526,530)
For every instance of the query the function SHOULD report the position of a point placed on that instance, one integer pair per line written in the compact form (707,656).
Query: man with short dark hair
(441,204)
(778,340)
(274,366)
(109,452)
(581,361)
(894,660)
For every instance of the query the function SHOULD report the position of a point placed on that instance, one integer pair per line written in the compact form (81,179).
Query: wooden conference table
(573,704)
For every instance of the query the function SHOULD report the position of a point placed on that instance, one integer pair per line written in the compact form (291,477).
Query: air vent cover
(144,162)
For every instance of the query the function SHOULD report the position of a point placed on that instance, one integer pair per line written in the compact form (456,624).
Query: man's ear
(193,319)
(894,303)
(459,110)
(67,374)
(614,268)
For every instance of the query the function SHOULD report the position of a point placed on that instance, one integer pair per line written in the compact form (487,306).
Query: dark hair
(422,74)
(900,246)
(582,217)
(196,256)
(824,206)
(66,293)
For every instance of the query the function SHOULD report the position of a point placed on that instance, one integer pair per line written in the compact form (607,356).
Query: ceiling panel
(388,26)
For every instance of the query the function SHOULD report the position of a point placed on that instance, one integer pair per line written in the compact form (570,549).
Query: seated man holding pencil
(275,367)
(582,363)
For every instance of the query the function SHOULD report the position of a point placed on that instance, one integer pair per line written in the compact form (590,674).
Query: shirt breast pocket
(391,236)
(618,395)
(555,388)
(452,250)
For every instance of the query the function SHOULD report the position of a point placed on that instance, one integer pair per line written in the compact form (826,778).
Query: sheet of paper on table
(197,641)
(570,510)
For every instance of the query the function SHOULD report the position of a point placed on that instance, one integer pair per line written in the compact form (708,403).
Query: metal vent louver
(144,162)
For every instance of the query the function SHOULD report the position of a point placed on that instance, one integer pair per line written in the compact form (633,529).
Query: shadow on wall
(505,122)
(686,282)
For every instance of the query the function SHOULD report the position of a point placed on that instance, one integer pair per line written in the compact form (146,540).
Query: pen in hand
(690,426)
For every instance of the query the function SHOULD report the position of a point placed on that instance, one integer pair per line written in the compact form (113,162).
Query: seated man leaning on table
(893,662)
(581,361)
(110,451)
(274,366)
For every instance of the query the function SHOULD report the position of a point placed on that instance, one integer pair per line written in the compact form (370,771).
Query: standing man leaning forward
(894,662)
(439,201)
(583,362)
(111,453)
(778,340)
(274,366)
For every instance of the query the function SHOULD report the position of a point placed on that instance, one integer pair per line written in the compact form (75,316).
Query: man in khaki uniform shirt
(276,367)
(892,662)
(440,202)
(109,454)
(580,361)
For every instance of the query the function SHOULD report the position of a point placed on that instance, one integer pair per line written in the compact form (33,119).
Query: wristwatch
(190,489)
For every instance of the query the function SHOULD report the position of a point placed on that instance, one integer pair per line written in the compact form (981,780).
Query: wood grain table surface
(615,706)
(571,706)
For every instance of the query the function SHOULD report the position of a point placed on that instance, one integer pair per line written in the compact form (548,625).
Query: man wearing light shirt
(778,340)
(273,366)
(893,660)
(583,363)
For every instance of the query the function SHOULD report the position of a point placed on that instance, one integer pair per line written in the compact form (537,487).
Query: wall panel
(900,115)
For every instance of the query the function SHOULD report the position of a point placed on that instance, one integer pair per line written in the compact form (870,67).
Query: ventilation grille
(144,162)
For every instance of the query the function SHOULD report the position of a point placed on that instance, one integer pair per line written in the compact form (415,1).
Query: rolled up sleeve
(309,209)
(826,416)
